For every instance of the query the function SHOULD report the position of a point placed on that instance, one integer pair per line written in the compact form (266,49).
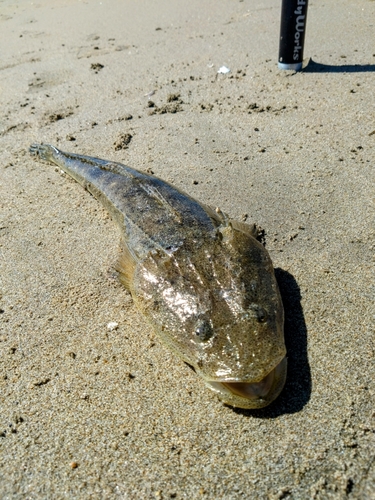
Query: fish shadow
(297,390)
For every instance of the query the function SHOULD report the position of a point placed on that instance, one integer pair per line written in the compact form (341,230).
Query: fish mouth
(249,395)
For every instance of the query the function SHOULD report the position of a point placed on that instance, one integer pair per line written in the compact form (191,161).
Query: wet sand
(89,412)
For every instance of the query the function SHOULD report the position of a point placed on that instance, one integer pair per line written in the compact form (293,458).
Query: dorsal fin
(125,266)
(234,228)
(222,221)
(249,229)
(218,217)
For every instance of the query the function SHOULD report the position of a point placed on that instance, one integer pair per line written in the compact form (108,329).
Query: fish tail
(80,167)
(44,151)
(96,175)
(77,166)
(86,170)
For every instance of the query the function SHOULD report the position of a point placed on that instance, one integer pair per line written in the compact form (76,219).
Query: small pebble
(112,325)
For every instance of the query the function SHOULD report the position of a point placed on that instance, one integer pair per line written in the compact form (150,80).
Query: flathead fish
(202,279)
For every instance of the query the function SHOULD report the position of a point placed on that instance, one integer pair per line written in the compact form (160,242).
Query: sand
(92,412)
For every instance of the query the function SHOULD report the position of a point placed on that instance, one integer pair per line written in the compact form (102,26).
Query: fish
(201,279)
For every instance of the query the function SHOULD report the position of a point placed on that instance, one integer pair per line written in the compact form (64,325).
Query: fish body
(203,280)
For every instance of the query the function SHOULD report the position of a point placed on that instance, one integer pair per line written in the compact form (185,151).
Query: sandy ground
(86,412)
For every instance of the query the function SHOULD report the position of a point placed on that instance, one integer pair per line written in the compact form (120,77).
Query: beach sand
(89,412)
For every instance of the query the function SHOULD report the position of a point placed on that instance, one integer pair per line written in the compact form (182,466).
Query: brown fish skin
(203,281)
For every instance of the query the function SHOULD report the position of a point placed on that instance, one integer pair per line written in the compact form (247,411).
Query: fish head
(219,308)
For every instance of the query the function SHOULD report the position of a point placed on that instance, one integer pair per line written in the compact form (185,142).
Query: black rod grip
(292,33)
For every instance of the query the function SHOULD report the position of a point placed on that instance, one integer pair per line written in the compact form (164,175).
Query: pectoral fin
(126,265)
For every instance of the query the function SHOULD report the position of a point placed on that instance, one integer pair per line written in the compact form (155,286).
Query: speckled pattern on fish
(203,280)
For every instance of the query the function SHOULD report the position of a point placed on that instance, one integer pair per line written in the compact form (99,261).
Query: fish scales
(146,208)
(203,280)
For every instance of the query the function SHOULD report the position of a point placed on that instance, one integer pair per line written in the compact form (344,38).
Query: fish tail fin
(44,151)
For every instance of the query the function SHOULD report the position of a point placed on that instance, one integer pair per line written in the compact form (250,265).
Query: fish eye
(261,315)
(259,312)
(204,330)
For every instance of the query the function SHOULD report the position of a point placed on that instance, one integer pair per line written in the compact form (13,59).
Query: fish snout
(250,395)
